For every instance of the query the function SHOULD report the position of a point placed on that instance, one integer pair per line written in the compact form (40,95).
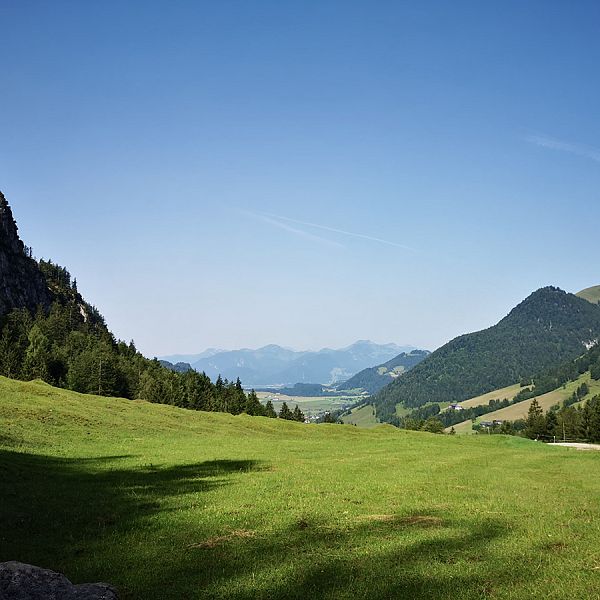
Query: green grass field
(170,504)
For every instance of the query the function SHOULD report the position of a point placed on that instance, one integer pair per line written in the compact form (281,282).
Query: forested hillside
(545,330)
(373,379)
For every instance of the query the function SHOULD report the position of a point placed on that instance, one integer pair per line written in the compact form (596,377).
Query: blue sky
(304,173)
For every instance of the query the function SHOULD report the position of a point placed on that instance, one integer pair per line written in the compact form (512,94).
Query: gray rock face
(22,284)
(19,581)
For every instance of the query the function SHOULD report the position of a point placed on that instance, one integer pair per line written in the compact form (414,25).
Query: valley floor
(166,503)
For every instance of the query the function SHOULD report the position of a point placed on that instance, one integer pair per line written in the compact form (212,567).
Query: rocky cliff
(22,284)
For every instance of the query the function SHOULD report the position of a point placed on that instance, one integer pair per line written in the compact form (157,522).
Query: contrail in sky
(343,232)
(554,144)
(305,234)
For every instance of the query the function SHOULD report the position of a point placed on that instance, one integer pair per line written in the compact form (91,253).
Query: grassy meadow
(169,504)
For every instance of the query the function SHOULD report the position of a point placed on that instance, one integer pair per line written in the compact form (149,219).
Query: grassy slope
(167,503)
(519,411)
(364,416)
(508,392)
(591,294)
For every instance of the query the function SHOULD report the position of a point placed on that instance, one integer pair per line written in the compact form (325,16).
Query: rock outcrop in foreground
(22,284)
(19,581)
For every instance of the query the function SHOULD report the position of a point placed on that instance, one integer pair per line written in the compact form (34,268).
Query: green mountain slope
(547,329)
(166,504)
(374,378)
(550,387)
(591,294)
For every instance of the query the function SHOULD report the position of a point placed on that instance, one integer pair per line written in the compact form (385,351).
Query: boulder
(19,581)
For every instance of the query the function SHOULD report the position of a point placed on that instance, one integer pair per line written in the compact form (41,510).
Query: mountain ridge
(276,365)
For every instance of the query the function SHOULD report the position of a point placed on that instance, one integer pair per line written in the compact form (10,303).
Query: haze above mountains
(276,365)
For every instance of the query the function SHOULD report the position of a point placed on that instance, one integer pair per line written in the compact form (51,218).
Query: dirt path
(577,445)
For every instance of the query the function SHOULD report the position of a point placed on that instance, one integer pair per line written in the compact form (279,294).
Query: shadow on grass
(395,559)
(58,507)
(55,512)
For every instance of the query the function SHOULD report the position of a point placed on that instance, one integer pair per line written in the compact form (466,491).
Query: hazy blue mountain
(332,366)
(275,365)
(191,358)
(252,366)
(374,378)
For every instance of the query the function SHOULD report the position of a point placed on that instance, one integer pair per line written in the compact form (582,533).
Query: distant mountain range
(191,358)
(546,329)
(275,365)
(373,379)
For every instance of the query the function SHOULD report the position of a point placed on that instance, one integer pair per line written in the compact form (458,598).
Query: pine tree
(536,423)
(285,412)
(253,405)
(37,354)
(594,419)
(552,423)
(298,415)
(270,411)
(14,342)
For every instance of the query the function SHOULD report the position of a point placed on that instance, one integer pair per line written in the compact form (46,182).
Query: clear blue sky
(200,166)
